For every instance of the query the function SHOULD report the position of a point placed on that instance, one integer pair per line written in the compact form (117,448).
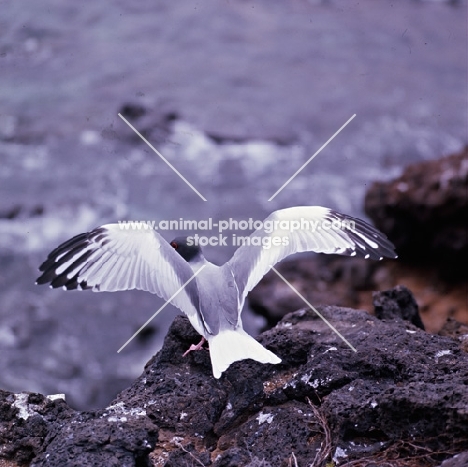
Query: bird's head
(187,248)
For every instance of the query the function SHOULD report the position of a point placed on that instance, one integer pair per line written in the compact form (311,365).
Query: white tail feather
(230,346)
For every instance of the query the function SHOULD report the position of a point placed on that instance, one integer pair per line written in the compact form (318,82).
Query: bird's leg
(195,347)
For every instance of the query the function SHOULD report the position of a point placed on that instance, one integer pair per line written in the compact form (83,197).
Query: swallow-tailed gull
(112,258)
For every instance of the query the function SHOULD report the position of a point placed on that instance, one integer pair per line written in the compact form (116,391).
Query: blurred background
(237,95)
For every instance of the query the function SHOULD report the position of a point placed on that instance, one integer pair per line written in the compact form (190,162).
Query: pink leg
(199,346)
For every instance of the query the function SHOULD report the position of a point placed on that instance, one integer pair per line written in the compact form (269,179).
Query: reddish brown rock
(351,282)
(322,280)
(425,211)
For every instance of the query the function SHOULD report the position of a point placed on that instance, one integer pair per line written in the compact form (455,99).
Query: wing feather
(328,232)
(110,258)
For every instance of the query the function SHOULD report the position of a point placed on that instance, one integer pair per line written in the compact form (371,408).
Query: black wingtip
(41,280)
(74,253)
(384,247)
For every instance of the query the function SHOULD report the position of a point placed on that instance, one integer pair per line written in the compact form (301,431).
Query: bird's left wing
(112,258)
(304,228)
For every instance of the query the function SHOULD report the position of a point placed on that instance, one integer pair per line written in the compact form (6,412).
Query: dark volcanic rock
(397,303)
(424,212)
(402,391)
(25,421)
(36,431)
(117,437)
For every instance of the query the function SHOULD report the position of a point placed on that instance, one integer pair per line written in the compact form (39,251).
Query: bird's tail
(229,346)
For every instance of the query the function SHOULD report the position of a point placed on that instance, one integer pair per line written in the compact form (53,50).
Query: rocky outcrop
(322,280)
(424,212)
(386,388)
(350,282)
(397,303)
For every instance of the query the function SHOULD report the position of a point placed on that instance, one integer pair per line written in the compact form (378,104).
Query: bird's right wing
(112,258)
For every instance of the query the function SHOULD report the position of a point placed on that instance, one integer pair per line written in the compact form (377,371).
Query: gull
(113,257)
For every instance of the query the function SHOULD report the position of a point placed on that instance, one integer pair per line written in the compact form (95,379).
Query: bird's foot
(199,346)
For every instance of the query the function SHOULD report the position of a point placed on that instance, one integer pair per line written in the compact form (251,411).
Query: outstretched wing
(111,258)
(304,228)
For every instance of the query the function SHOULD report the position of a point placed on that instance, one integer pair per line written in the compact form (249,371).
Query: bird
(112,257)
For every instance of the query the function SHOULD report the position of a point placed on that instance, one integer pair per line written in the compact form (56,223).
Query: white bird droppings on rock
(339,454)
(119,413)
(21,403)
(265,417)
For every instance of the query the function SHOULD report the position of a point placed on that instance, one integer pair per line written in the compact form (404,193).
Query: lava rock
(375,389)
(25,421)
(424,212)
(114,438)
(397,303)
